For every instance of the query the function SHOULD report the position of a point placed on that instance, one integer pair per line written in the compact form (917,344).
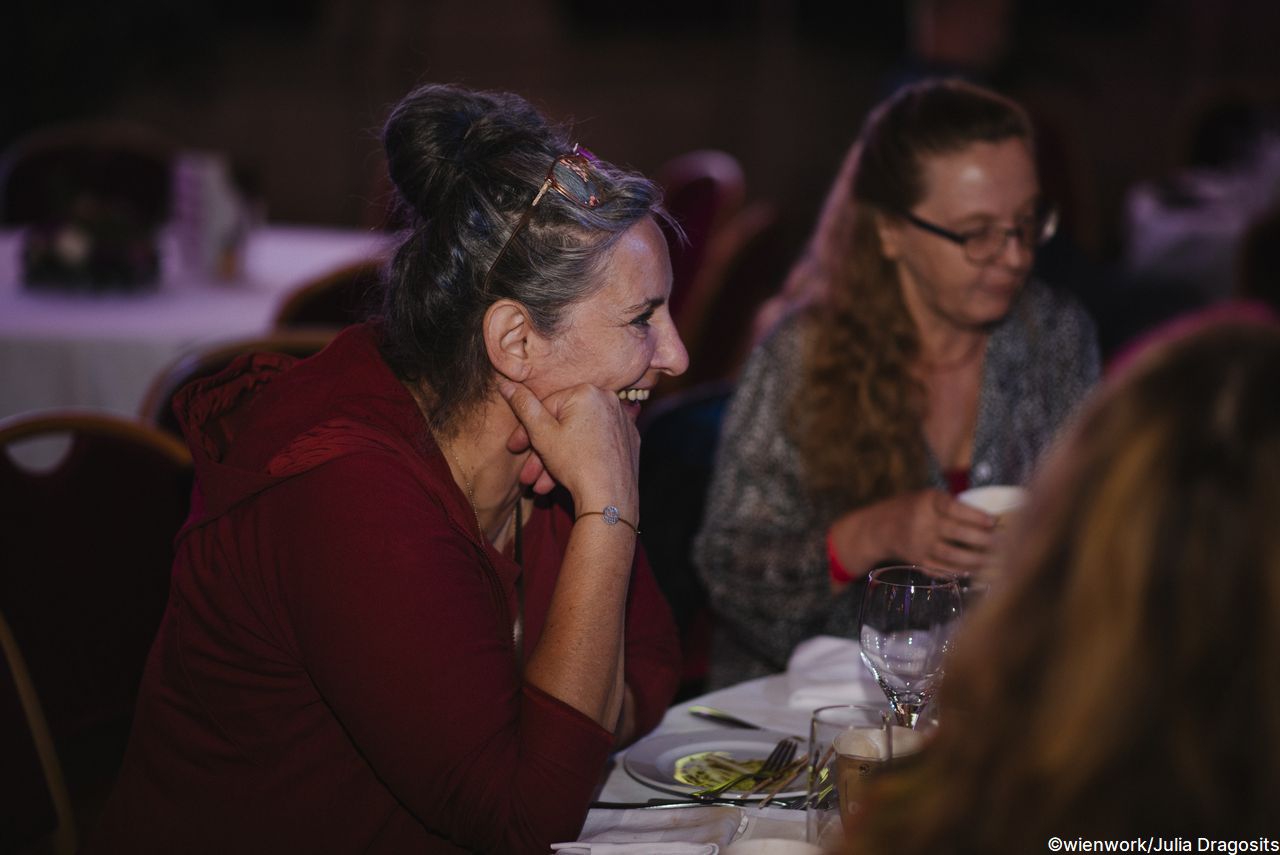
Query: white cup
(996,499)
(1001,501)
(848,743)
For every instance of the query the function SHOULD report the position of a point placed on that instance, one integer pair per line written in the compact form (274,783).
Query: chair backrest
(35,810)
(157,404)
(702,190)
(745,264)
(677,454)
(334,300)
(45,174)
(86,547)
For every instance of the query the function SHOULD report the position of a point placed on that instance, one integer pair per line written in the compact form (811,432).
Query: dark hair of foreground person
(1124,680)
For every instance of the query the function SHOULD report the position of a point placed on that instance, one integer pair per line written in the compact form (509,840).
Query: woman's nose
(671,357)
(1016,254)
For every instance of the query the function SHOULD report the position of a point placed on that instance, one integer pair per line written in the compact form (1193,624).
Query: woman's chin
(992,308)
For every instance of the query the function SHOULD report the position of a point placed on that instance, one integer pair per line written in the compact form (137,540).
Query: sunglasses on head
(571,176)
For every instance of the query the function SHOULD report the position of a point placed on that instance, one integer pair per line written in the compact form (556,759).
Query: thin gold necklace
(517,511)
(517,629)
(471,493)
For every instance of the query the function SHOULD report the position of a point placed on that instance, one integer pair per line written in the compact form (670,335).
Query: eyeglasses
(570,175)
(984,245)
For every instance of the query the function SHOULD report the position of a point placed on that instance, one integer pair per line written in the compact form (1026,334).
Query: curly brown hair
(1134,646)
(856,416)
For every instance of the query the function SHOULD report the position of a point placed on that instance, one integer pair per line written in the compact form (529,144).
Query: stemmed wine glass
(905,630)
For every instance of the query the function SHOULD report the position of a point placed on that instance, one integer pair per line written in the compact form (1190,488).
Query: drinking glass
(908,616)
(848,744)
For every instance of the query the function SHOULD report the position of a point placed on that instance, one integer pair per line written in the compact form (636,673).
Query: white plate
(653,761)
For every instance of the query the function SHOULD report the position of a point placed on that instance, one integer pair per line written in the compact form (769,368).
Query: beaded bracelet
(611,517)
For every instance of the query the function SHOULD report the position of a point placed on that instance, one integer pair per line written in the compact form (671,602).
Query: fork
(779,758)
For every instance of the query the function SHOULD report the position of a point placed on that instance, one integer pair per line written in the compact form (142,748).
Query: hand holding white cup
(998,500)
(1001,501)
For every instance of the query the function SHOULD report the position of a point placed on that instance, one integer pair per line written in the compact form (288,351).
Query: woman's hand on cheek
(534,473)
(582,438)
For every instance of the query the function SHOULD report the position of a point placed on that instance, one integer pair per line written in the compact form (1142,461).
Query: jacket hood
(267,417)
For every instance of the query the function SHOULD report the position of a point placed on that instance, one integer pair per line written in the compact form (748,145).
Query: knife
(667,803)
(713,714)
(662,804)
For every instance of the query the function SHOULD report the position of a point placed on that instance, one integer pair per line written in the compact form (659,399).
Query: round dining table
(100,351)
(635,815)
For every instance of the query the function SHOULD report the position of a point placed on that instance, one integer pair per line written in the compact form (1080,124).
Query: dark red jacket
(335,671)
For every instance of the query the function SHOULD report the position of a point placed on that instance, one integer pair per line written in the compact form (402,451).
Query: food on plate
(711,768)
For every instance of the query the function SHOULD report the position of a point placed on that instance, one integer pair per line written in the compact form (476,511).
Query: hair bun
(468,166)
(440,138)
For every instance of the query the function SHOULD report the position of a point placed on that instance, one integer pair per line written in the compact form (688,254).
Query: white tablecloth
(102,351)
(766,702)
(822,671)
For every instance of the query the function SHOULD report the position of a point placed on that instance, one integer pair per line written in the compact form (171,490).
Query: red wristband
(837,570)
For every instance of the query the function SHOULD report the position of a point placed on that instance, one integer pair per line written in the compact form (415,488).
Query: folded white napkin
(673,831)
(635,848)
(826,670)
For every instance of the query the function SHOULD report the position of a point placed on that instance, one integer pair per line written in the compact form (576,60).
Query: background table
(102,351)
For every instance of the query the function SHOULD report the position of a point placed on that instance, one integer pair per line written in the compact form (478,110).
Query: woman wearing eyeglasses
(926,362)
(409,612)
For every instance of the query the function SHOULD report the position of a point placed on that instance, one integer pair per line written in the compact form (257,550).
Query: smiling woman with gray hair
(409,612)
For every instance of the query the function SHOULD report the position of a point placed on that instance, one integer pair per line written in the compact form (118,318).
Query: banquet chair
(745,264)
(86,544)
(679,435)
(701,190)
(157,404)
(43,175)
(334,300)
(35,810)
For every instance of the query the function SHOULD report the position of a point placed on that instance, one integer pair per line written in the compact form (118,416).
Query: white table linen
(101,351)
(679,831)
(822,671)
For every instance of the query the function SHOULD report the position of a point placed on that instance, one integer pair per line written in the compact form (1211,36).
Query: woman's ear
(510,339)
(889,231)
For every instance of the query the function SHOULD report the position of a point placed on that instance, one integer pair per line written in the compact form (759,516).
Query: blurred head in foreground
(1125,678)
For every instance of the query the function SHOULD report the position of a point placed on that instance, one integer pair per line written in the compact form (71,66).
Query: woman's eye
(643,320)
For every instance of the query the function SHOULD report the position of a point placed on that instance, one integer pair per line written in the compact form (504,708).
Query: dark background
(295,90)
